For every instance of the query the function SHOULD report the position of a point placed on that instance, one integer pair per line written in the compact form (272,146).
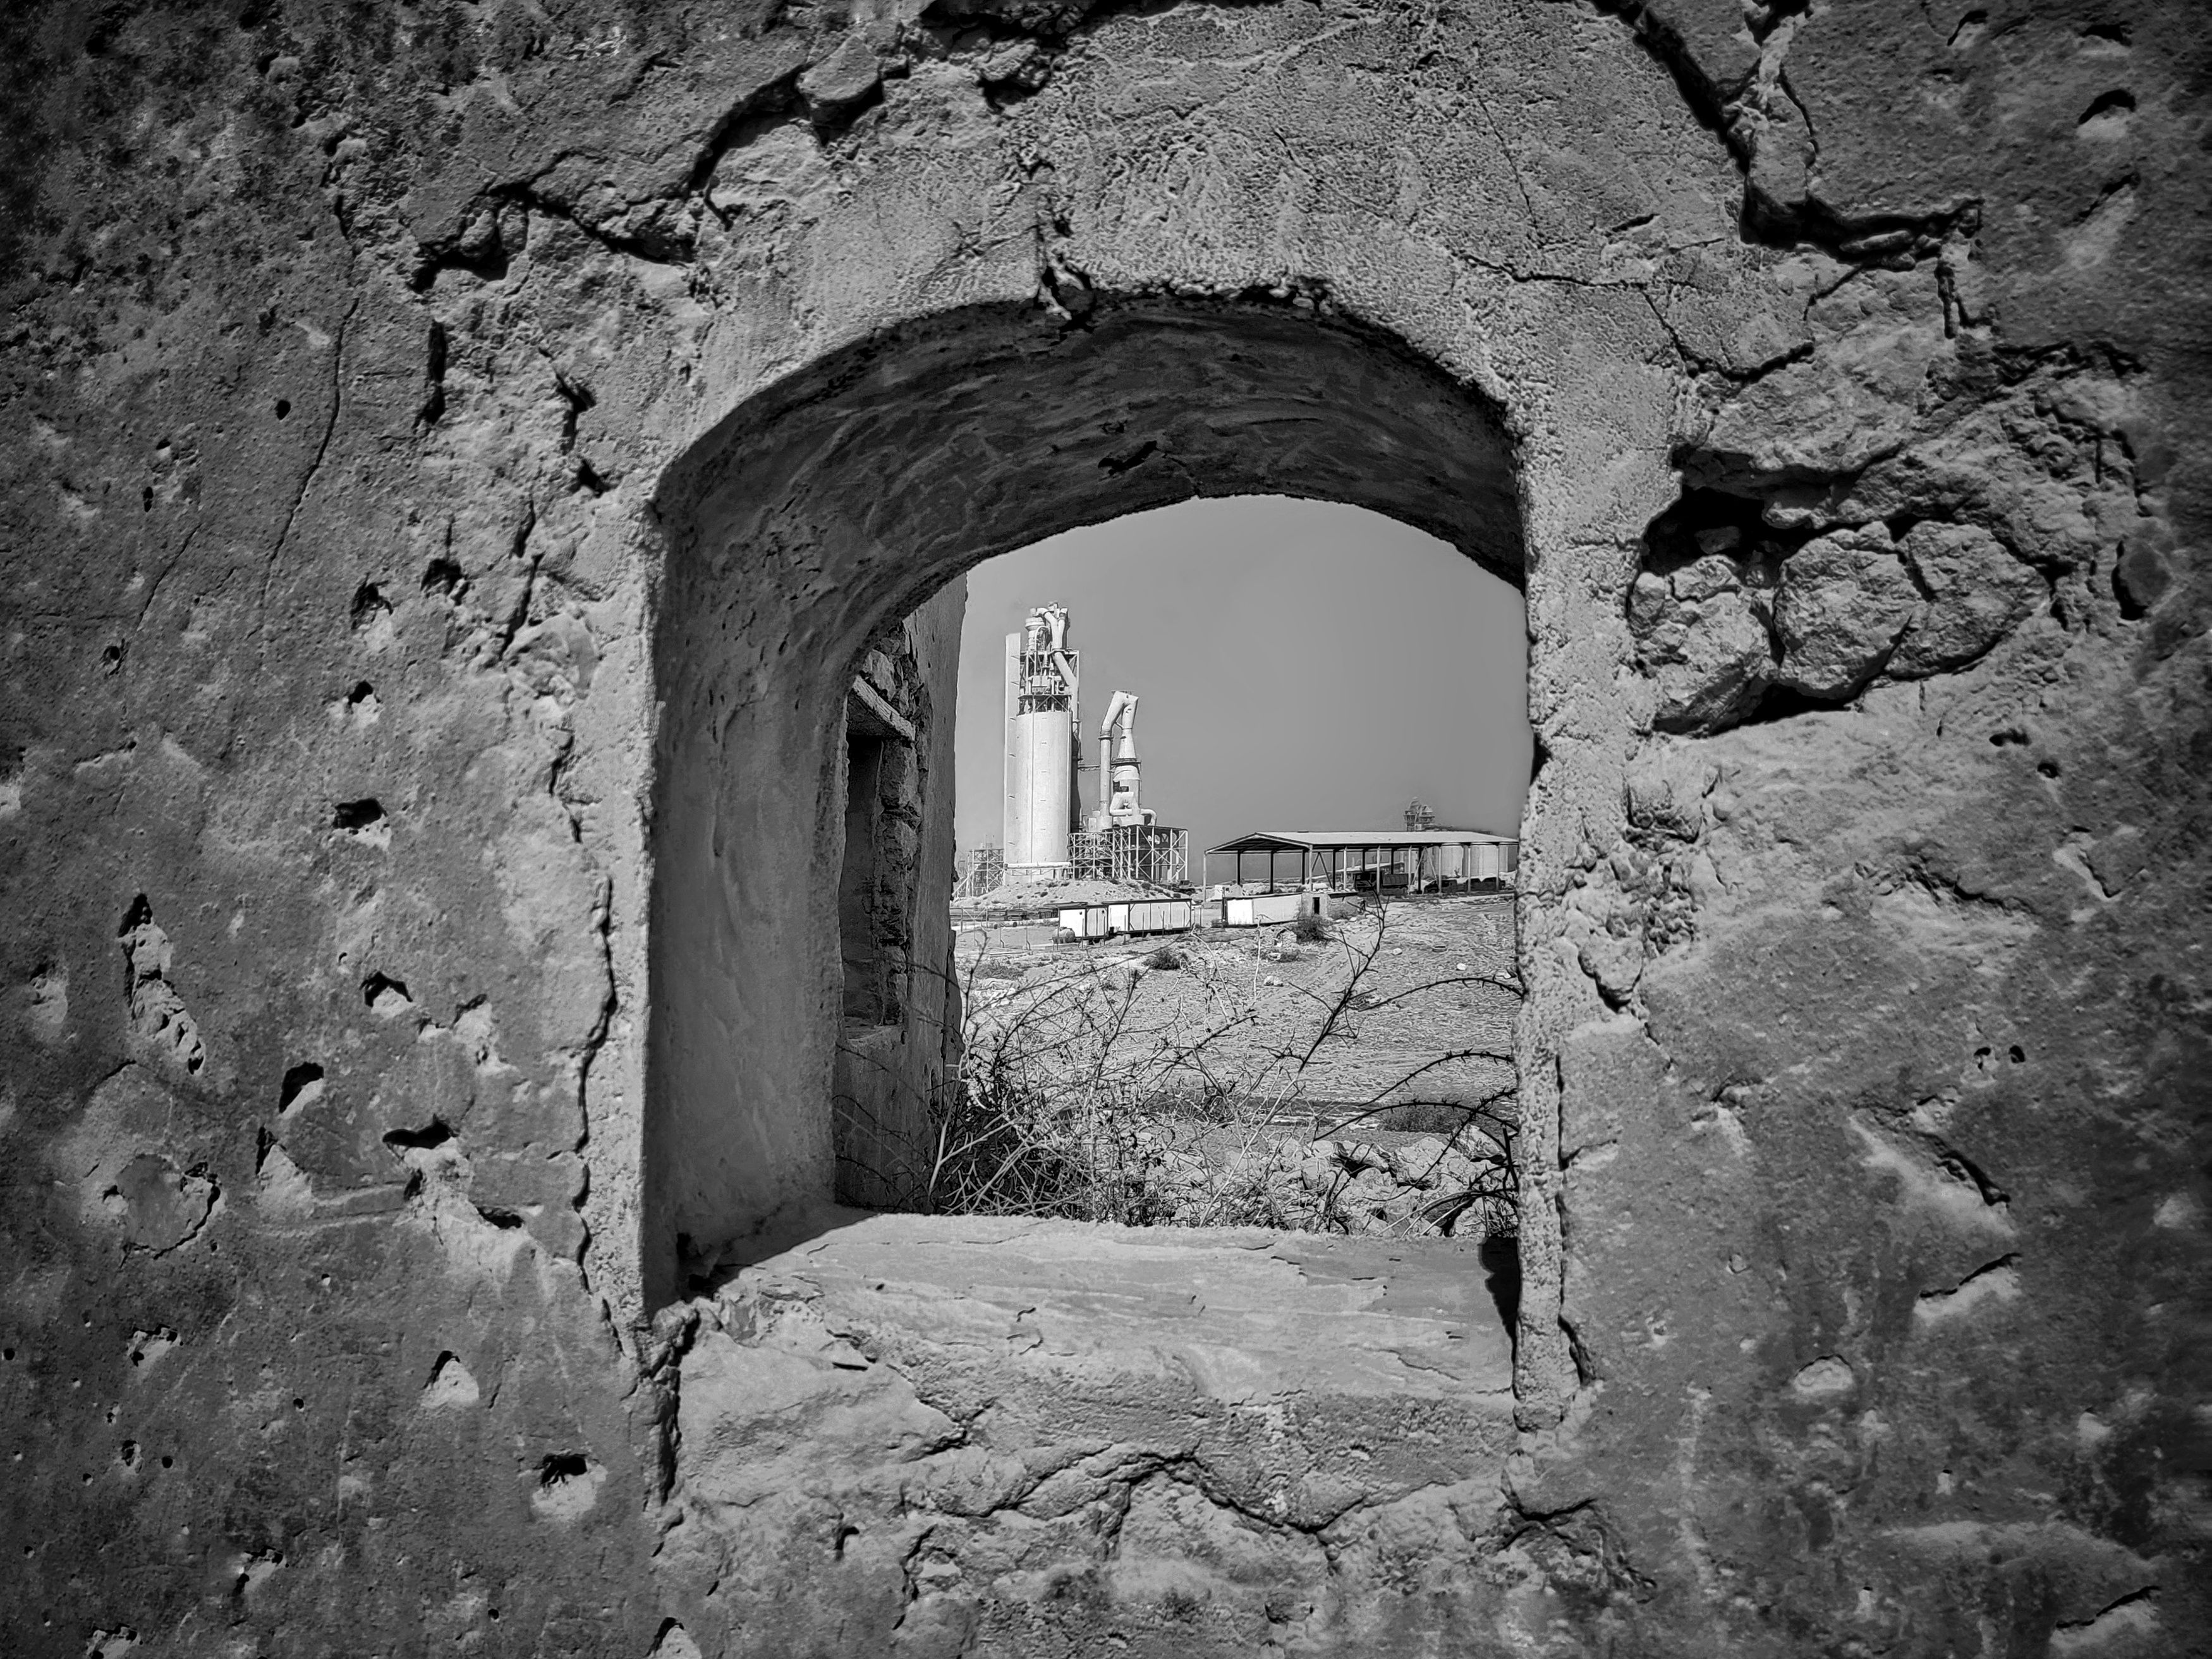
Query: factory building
(1050,837)
(1121,840)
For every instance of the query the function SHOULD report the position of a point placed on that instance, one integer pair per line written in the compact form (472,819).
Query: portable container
(1150,916)
(1270,909)
(1085,920)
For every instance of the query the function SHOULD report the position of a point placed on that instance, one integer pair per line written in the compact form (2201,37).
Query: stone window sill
(914,1365)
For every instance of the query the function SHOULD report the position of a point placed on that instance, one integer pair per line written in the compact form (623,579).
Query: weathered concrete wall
(370,378)
(900,1044)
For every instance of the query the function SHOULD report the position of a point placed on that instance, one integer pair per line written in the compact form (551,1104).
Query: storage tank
(1041,682)
(1038,756)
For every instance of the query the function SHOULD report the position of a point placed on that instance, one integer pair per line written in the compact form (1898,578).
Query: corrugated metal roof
(1259,841)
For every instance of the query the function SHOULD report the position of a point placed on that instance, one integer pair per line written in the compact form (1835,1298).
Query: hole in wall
(2141,577)
(432,1135)
(385,997)
(364,823)
(302,1086)
(370,617)
(354,816)
(449,1384)
(562,1467)
(358,709)
(2108,115)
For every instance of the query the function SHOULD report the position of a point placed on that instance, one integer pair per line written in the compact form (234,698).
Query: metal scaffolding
(1150,853)
(978,871)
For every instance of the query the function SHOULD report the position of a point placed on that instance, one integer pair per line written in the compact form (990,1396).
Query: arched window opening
(803,998)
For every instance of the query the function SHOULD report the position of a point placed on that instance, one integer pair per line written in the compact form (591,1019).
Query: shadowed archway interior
(846,497)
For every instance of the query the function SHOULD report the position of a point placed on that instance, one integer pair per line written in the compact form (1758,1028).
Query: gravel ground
(1315,1087)
(1404,1003)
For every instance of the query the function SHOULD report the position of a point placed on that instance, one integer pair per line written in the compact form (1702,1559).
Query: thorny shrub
(1078,1098)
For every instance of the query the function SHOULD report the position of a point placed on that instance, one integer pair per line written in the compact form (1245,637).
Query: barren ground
(1328,1085)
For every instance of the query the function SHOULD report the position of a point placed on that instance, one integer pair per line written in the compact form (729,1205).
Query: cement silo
(1042,678)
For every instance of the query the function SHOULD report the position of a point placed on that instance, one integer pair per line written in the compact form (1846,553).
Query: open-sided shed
(1381,860)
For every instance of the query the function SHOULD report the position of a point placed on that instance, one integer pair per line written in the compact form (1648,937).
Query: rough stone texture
(1706,641)
(1977,592)
(439,441)
(1846,599)
(1024,1437)
(900,1042)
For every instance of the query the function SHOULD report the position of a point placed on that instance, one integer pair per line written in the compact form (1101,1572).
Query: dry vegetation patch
(1355,1077)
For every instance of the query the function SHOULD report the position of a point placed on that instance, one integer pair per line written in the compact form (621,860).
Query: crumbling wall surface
(902,1027)
(1849,364)
(1011,1436)
(311,997)
(1899,1037)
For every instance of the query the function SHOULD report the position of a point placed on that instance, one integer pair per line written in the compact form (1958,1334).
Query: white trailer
(1269,910)
(1149,916)
(1133,916)
(1083,920)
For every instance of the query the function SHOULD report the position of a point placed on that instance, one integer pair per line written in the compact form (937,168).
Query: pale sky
(1300,665)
